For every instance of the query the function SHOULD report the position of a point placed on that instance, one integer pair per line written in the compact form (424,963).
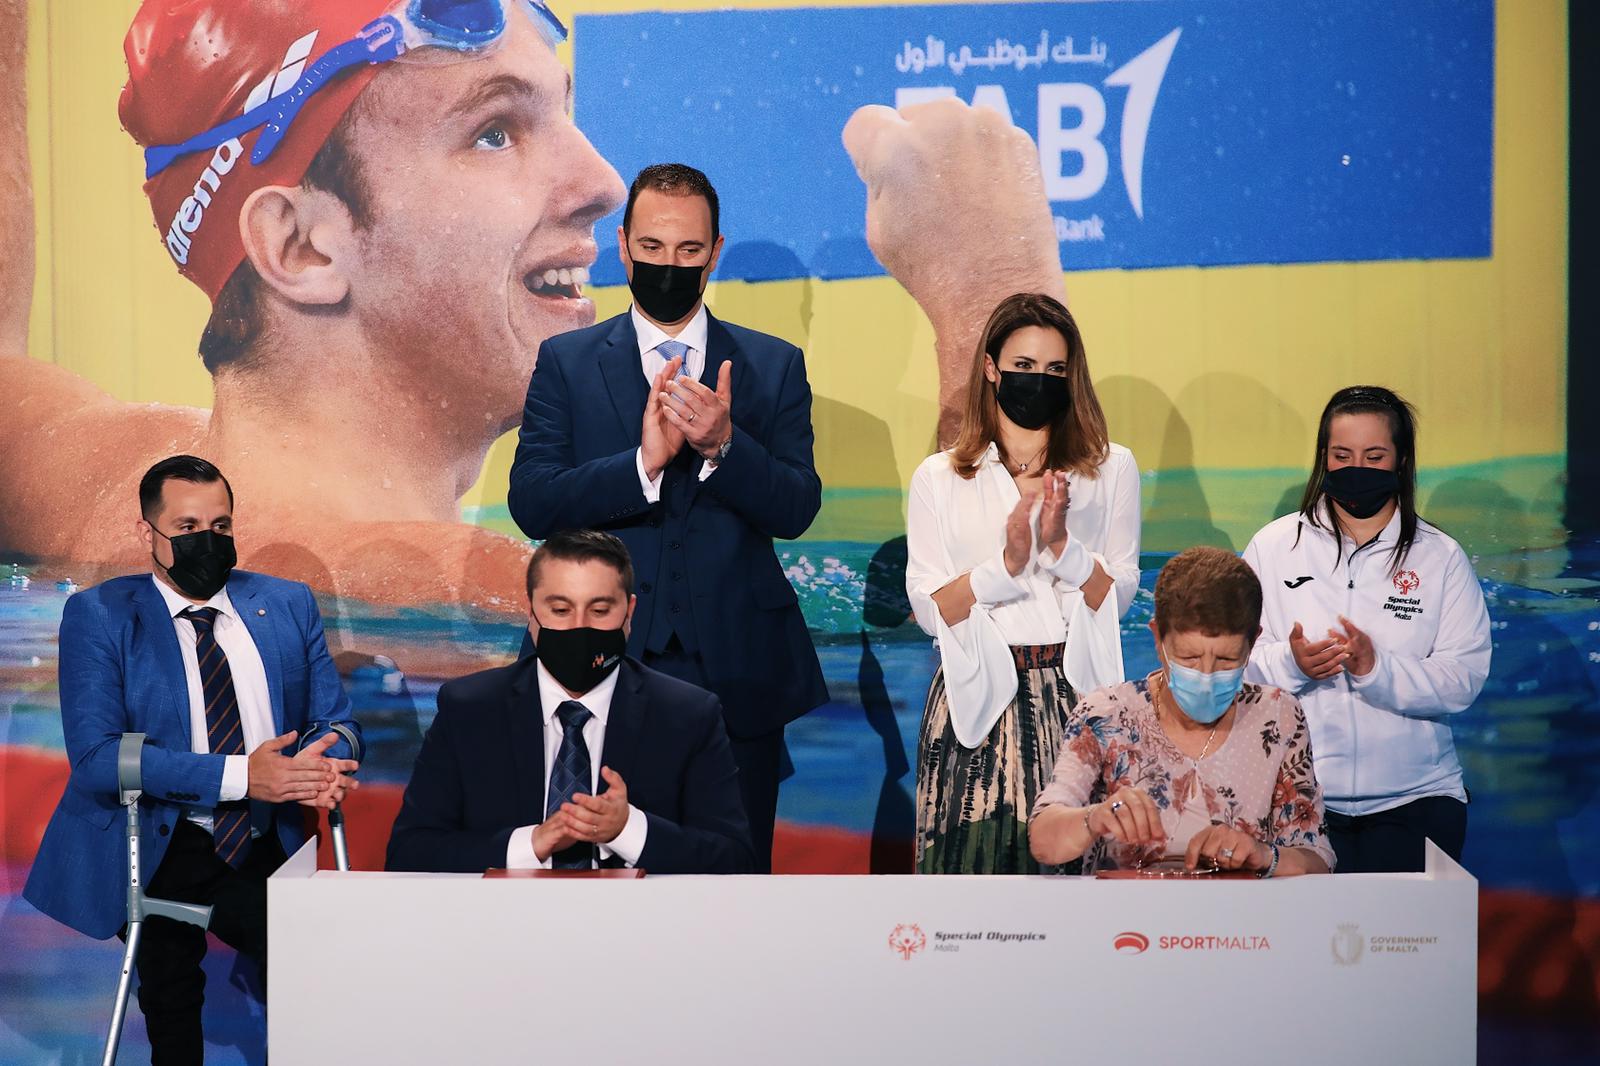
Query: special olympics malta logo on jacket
(908,940)
(1406,582)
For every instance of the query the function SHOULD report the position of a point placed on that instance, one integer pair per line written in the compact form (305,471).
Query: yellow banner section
(1209,370)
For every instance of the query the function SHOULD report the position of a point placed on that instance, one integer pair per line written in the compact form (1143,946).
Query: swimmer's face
(480,186)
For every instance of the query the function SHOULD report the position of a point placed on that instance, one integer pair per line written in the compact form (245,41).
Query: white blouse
(956,526)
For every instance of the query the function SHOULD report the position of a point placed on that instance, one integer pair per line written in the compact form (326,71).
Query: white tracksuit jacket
(1384,739)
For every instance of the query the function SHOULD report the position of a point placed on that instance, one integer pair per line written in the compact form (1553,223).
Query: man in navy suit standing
(576,757)
(223,671)
(690,439)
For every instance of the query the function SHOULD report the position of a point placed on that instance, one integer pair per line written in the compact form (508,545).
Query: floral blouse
(1259,779)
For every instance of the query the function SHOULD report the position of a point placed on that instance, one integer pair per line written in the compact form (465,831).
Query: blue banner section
(1170,132)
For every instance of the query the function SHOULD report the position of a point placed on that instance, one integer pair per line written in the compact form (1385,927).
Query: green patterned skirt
(973,803)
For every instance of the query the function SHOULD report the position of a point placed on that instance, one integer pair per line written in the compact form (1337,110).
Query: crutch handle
(189,913)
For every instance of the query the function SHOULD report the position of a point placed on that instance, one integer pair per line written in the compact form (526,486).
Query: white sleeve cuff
(707,469)
(650,488)
(1369,679)
(629,844)
(235,778)
(519,851)
(1073,567)
(993,583)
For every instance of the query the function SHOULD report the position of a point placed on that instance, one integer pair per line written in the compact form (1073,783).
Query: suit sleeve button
(162,830)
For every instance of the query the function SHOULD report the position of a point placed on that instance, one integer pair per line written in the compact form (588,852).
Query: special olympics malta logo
(1406,581)
(1130,943)
(1348,944)
(907,940)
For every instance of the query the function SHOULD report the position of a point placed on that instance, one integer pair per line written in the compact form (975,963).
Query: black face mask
(579,659)
(1361,490)
(666,293)
(1032,401)
(201,562)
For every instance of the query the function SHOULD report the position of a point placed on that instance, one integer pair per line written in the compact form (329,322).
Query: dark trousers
(171,982)
(760,759)
(1391,841)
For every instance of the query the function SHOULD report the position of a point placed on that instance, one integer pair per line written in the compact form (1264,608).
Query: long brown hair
(1402,418)
(1078,440)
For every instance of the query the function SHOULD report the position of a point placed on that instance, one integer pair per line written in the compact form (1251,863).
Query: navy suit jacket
(575,469)
(480,774)
(121,671)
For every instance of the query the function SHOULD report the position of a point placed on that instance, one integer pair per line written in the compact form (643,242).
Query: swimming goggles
(459,26)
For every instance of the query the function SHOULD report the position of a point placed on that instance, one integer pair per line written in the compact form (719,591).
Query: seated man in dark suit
(578,756)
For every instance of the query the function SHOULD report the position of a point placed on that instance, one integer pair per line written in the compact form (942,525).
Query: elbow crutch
(341,854)
(130,787)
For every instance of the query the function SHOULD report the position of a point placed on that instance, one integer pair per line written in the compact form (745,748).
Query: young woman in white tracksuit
(1376,621)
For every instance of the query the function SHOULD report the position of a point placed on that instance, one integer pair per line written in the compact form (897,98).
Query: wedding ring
(692,415)
(1117,806)
(1226,853)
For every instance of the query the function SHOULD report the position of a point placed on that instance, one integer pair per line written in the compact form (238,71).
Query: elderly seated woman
(1189,763)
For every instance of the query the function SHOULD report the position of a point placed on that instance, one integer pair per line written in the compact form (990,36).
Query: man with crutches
(223,672)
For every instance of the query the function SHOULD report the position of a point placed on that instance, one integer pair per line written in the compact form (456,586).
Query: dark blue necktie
(230,831)
(570,775)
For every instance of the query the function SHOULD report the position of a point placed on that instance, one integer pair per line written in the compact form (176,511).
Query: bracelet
(1269,870)
(1092,835)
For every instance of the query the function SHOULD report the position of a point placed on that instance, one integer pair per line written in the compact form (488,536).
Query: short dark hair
(679,179)
(583,546)
(1211,591)
(190,468)
(236,321)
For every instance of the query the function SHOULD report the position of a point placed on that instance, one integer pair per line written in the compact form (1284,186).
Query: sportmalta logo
(1348,944)
(907,940)
(1407,581)
(1130,943)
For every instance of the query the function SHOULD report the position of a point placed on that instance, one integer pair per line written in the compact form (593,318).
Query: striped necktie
(671,350)
(230,831)
(570,774)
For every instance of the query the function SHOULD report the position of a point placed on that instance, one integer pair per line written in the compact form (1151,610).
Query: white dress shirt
(629,844)
(249,685)
(652,362)
(1384,739)
(956,526)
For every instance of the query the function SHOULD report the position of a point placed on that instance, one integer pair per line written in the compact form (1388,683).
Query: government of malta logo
(907,940)
(1130,943)
(1407,581)
(1348,943)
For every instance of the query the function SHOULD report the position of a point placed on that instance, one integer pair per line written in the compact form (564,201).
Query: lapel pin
(260,611)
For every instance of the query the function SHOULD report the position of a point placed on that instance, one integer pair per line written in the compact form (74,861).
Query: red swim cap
(195,64)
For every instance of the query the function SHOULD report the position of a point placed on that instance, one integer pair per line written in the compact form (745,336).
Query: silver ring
(1117,806)
(1226,853)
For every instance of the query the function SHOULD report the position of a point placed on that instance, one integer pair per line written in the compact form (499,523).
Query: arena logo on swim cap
(192,211)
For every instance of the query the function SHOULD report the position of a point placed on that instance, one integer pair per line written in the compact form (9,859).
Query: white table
(409,968)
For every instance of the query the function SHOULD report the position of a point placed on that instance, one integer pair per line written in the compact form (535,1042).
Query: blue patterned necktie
(570,775)
(230,831)
(671,350)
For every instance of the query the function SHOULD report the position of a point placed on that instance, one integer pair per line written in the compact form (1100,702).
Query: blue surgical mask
(1204,697)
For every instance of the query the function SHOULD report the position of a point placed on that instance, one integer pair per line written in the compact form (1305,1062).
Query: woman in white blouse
(1024,554)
